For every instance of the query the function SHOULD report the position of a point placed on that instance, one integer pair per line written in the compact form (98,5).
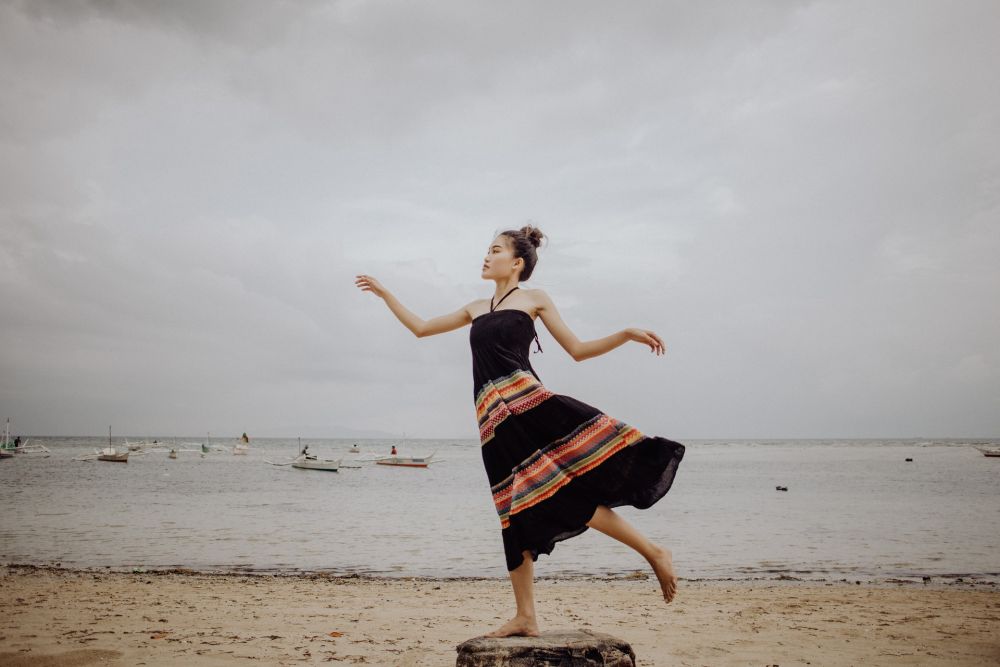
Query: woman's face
(500,261)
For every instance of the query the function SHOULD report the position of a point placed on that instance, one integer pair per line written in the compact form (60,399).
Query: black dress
(551,459)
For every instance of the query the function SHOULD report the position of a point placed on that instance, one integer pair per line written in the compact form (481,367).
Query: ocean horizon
(855,509)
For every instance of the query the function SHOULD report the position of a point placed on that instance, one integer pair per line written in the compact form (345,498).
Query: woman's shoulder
(538,296)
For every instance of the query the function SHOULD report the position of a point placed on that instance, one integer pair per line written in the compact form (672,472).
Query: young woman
(556,466)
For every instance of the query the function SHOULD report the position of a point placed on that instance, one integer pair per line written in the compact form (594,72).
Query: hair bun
(534,234)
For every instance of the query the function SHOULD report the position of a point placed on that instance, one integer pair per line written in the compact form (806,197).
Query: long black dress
(551,459)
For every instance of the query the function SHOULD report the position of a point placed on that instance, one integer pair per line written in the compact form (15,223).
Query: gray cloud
(801,198)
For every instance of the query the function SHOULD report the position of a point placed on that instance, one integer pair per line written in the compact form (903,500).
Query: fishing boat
(111,453)
(405,461)
(990,451)
(242,446)
(139,446)
(306,462)
(10,446)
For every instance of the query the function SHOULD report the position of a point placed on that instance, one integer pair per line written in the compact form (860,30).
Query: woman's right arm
(418,326)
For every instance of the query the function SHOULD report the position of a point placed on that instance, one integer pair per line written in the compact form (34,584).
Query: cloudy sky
(802,199)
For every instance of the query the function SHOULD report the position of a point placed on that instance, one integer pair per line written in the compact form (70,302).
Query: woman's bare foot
(663,566)
(519,626)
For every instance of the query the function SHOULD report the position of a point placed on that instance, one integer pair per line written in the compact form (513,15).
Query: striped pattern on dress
(512,394)
(546,471)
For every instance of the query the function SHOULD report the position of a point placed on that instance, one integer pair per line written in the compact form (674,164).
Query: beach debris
(159,634)
(336,634)
(574,647)
(909,459)
(781,488)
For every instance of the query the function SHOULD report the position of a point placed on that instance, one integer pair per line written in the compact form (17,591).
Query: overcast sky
(802,199)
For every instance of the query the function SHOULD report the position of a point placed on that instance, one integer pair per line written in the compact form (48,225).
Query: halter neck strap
(492,307)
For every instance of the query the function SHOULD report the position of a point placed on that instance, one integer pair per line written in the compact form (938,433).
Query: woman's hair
(524,241)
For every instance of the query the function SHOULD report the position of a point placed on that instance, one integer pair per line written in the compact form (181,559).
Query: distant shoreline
(950,582)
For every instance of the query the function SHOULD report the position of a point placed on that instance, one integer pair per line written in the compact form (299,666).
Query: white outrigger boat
(990,451)
(9,446)
(405,461)
(111,453)
(306,462)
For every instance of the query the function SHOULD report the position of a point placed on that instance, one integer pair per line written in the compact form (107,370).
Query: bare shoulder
(476,307)
(539,299)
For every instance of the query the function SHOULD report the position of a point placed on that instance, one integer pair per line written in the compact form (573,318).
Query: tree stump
(573,648)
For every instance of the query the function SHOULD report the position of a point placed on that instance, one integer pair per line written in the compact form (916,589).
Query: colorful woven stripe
(512,394)
(545,472)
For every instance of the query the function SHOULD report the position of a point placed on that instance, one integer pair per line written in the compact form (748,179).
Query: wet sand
(62,618)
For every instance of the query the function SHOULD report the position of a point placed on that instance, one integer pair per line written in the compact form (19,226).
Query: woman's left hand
(648,337)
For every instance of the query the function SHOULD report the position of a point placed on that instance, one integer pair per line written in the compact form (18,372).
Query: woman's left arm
(581,350)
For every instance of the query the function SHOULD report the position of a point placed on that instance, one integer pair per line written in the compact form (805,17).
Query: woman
(556,466)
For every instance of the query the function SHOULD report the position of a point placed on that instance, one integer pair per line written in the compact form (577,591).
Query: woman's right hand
(369,284)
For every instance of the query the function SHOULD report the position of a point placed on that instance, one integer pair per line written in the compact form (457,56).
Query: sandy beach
(62,617)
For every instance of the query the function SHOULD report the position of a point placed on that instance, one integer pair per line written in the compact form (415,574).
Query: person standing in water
(556,466)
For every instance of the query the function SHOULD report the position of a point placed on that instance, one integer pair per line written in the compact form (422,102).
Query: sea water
(853,509)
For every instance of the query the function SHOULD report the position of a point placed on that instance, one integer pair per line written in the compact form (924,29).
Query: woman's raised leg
(524,623)
(608,522)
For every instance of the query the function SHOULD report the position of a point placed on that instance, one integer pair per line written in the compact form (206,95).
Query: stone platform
(573,648)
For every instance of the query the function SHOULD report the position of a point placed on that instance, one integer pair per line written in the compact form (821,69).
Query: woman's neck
(503,287)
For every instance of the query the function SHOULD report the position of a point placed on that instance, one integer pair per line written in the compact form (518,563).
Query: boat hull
(404,464)
(332,466)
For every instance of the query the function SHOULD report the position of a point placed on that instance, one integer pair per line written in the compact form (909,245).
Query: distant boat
(405,461)
(355,449)
(306,462)
(7,446)
(112,454)
(990,451)
(137,446)
(10,446)
(172,454)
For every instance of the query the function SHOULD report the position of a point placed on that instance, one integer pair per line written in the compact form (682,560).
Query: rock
(572,648)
